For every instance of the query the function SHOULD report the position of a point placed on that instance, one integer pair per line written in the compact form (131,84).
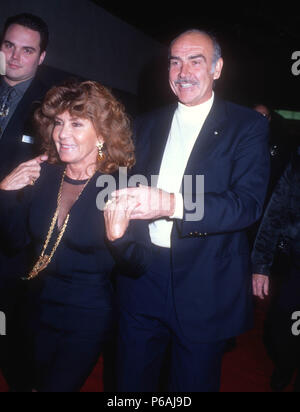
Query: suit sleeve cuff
(261,269)
(178,214)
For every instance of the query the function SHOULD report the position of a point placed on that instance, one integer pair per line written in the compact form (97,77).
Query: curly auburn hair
(89,100)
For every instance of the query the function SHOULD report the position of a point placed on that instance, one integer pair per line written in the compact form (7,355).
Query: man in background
(24,42)
(280,144)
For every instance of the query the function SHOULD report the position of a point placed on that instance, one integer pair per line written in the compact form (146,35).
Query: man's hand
(261,286)
(24,175)
(152,203)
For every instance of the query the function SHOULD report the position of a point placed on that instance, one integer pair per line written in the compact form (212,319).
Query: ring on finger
(109,202)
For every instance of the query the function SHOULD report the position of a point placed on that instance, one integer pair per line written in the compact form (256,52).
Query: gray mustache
(186,81)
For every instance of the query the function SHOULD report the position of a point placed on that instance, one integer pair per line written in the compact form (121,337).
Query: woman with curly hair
(85,134)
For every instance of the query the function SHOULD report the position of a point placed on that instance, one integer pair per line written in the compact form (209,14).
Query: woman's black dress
(71,302)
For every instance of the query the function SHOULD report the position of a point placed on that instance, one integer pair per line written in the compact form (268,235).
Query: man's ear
(218,69)
(42,58)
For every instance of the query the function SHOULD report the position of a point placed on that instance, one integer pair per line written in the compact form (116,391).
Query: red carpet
(246,369)
(3,386)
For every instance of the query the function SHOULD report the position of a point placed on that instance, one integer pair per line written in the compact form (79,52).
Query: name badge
(27,139)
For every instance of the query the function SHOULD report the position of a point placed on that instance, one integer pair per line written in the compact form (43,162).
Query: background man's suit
(14,151)
(210,293)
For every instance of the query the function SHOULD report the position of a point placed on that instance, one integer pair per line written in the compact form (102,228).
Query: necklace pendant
(41,264)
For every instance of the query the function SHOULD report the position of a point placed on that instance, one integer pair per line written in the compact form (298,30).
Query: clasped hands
(141,203)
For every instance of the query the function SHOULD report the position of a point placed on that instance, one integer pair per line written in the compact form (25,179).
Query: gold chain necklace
(44,260)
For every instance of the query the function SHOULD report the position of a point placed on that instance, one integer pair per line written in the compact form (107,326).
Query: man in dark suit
(24,42)
(196,292)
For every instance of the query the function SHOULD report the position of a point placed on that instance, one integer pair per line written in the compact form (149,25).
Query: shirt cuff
(178,214)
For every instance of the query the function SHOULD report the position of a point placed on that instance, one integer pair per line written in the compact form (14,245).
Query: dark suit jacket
(210,257)
(13,151)
(281,223)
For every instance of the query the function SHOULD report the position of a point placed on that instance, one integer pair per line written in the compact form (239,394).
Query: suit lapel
(209,136)
(160,137)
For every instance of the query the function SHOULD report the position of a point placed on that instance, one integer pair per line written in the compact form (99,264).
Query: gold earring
(100,146)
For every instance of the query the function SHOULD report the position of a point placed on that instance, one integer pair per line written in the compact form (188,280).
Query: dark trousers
(283,347)
(15,349)
(146,334)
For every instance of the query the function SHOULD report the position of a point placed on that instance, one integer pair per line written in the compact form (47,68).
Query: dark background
(88,41)
(258,39)
(124,44)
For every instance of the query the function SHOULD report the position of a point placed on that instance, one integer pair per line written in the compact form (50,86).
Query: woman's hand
(261,286)
(117,216)
(24,175)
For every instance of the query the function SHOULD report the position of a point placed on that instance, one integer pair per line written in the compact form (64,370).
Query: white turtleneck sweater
(186,127)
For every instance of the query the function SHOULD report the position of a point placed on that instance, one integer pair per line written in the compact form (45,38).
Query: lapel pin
(216,132)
